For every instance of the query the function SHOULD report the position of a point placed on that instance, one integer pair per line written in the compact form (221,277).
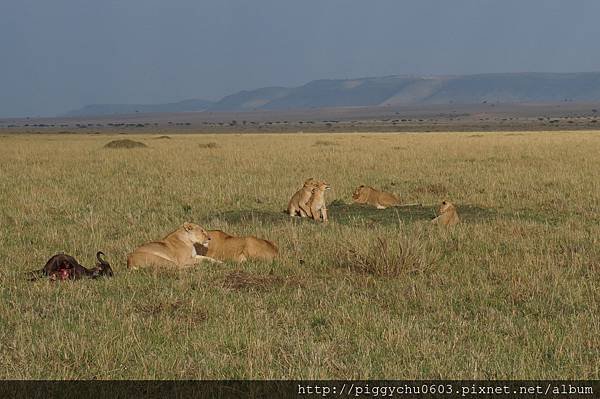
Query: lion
(224,246)
(379,199)
(298,204)
(175,250)
(318,210)
(448,215)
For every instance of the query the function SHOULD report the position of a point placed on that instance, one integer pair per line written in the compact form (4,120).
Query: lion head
(311,182)
(446,207)
(361,194)
(196,234)
(322,186)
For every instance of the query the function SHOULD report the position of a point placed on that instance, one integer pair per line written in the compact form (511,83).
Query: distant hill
(388,91)
(119,109)
(416,90)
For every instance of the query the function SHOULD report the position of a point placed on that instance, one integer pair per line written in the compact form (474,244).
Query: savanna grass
(511,292)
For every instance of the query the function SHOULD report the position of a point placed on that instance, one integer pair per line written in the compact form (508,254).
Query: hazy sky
(57,55)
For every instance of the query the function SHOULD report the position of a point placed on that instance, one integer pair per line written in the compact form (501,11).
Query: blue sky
(62,54)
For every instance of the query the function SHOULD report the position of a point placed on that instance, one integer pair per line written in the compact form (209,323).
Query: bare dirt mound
(125,143)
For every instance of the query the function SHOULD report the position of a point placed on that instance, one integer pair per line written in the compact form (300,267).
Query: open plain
(513,291)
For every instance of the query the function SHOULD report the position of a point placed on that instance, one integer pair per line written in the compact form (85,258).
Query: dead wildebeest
(65,267)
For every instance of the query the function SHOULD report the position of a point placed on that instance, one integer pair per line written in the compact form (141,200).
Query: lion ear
(188,226)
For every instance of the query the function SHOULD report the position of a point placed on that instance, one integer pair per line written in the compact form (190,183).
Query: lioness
(223,246)
(318,211)
(176,249)
(298,204)
(448,215)
(379,199)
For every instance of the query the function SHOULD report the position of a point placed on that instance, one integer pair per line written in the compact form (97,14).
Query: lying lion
(298,204)
(318,210)
(379,199)
(223,246)
(448,215)
(175,250)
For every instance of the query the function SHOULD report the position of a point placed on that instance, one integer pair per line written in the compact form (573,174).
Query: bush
(212,144)
(125,143)
(385,257)
(325,143)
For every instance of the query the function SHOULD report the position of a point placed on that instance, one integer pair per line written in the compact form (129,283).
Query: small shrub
(325,143)
(212,144)
(125,143)
(384,258)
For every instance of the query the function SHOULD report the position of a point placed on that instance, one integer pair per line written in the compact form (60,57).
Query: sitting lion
(318,210)
(298,204)
(448,215)
(379,199)
(223,246)
(175,250)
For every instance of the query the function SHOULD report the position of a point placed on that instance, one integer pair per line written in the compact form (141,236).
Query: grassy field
(511,292)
